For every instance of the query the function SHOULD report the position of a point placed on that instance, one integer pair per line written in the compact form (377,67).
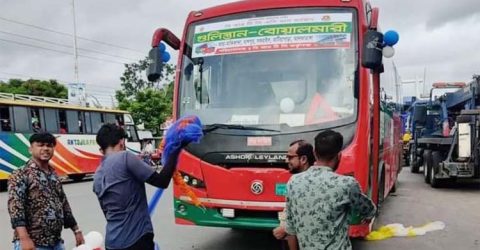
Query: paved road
(415,203)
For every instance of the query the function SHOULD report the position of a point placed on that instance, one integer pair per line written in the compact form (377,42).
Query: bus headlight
(192,181)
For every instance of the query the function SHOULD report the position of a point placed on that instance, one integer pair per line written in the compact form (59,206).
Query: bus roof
(48,102)
(252,5)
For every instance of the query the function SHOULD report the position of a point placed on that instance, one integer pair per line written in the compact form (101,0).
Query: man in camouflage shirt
(37,204)
(299,158)
(319,201)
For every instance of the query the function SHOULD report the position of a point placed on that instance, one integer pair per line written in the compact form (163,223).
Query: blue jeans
(59,246)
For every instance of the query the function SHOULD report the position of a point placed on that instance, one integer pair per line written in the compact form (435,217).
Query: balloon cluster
(164,54)
(389,39)
(93,241)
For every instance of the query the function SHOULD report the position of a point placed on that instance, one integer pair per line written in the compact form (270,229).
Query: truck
(414,131)
(447,148)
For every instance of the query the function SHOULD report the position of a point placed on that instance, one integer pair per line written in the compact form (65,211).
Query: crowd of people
(318,201)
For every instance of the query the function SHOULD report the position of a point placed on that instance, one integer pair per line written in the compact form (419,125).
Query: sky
(439,39)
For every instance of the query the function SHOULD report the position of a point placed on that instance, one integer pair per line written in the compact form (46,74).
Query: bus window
(96,122)
(6,124)
(62,118)
(132,133)
(109,118)
(74,122)
(119,120)
(51,120)
(88,122)
(36,119)
(81,121)
(21,122)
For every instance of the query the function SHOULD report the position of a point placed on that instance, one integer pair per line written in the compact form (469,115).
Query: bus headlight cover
(192,181)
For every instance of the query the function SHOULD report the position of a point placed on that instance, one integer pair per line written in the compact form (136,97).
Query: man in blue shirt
(119,184)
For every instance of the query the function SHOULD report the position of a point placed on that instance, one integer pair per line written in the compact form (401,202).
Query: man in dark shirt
(119,184)
(37,204)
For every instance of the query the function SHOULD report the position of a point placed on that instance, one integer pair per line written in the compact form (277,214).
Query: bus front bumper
(188,214)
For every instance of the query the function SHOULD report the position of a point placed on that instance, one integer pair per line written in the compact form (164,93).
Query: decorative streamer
(182,132)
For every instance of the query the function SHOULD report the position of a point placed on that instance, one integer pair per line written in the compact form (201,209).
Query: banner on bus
(273,33)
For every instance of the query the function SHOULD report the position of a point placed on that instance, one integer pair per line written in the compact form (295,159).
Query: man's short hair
(328,144)
(43,137)
(110,135)
(305,148)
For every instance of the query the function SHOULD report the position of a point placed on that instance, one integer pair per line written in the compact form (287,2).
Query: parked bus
(262,73)
(76,153)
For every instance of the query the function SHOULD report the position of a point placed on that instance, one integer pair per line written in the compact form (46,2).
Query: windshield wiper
(211,127)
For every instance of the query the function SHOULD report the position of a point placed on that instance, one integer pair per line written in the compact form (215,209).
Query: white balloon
(83,247)
(287,105)
(388,51)
(93,239)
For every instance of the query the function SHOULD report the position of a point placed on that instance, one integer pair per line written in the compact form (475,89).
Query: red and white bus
(262,73)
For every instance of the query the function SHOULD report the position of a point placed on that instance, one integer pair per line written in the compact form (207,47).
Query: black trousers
(144,243)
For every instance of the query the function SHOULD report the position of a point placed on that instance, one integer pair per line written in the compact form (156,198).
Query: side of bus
(76,153)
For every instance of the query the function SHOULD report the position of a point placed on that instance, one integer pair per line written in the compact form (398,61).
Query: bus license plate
(281,189)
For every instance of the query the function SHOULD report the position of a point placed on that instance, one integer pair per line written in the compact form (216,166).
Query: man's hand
(292,242)
(79,239)
(26,243)
(279,232)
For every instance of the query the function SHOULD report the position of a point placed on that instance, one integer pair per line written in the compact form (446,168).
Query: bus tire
(427,163)
(414,168)
(394,188)
(381,188)
(436,160)
(406,158)
(76,177)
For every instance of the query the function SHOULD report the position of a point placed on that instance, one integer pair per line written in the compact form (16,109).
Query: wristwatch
(77,231)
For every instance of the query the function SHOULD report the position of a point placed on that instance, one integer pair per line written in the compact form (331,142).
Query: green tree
(50,88)
(149,103)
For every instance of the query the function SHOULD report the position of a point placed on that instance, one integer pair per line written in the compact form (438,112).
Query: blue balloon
(390,38)
(165,56)
(162,47)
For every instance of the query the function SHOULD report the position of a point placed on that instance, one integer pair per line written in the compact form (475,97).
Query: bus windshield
(272,69)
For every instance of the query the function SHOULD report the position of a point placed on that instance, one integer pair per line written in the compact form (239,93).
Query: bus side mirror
(158,54)
(372,49)
(155,64)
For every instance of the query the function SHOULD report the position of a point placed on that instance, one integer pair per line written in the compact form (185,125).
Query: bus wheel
(406,159)
(76,177)
(394,188)
(381,188)
(436,160)
(427,164)
(414,167)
